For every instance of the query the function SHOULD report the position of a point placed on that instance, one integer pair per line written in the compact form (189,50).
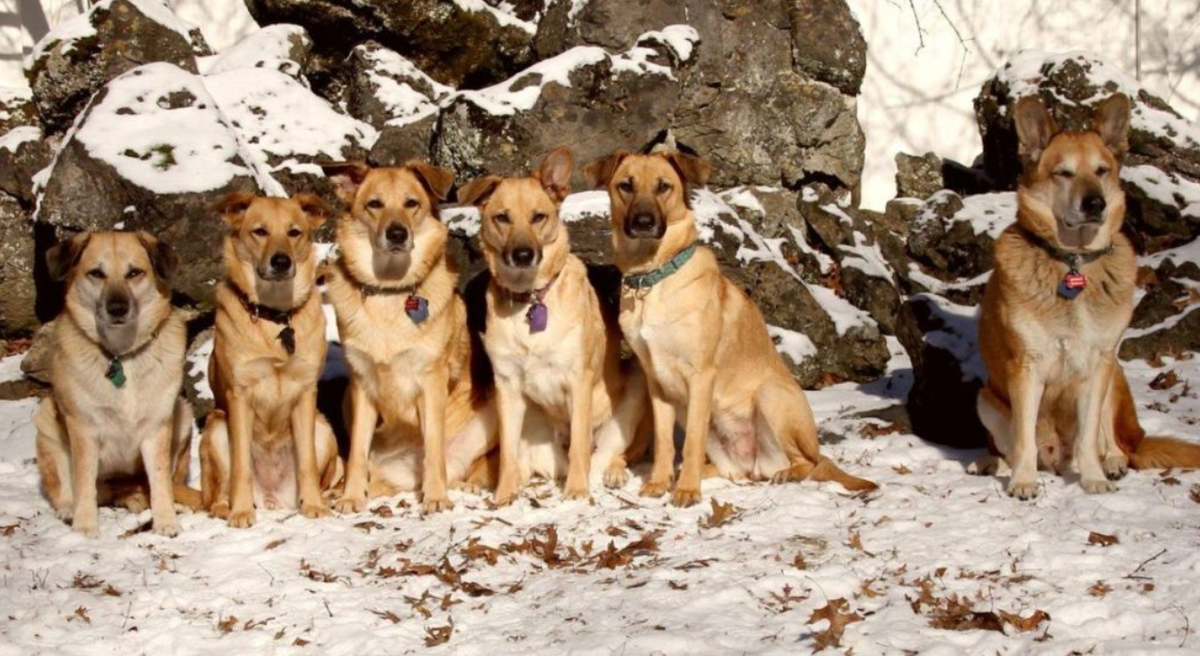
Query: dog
(556,356)
(115,428)
(703,345)
(1054,310)
(266,445)
(416,418)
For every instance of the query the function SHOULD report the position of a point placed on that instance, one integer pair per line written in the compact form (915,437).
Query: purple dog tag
(537,315)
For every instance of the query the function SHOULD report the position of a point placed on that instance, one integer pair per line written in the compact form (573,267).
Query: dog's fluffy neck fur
(122,340)
(283,295)
(642,255)
(407,271)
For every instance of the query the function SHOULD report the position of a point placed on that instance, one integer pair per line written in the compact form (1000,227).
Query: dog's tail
(826,470)
(1165,453)
(187,496)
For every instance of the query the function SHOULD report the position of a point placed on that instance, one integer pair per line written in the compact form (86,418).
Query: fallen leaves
(722,513)
(871,430)
(438,635)
(226,624)
(1102,540)
(612,558)
(81,613)
(1099,589)
(952,612)
(1165,380)
(1195,494)
(836,613)
(387,615)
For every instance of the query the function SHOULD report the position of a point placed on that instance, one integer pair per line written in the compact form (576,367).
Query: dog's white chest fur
(1068,344)
(541,364)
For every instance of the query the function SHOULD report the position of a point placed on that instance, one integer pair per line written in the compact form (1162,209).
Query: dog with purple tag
(566,400)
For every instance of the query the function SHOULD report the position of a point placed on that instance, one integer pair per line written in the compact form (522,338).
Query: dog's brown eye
(626,186)
(501,217)
(375,203)
(260,232)
(663,186)
(539,217)
(1103,170)
(411,203)
(1064,174)
(96,274)
(294,232)
(134,273)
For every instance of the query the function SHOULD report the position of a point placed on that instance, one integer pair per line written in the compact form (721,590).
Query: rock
(398,144)
(24,152)
(755,101)
(1161,169)
(387,88)
(80,55)
(284,48)
(17,293)
(36,364)
(461,44)
(951,243)
(587,99)
(153,152)
(941,339)
(1165,321)
(918,177)
(827,44)
(16,108)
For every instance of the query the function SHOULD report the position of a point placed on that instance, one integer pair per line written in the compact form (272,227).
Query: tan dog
(266,445)
(551,348)
(702,343)
(414,416)
(1056,395)
(115,422)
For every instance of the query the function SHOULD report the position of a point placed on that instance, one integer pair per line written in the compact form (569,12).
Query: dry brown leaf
(902,470)
(274,544)
(387,615)
(856,542)
(722,513)
(1165,380)
(838,619)
(438,635)
(871,430)
(1102,540)
(227,624)
(1195,494)
(1025,624)
(1099,589)
(82,613)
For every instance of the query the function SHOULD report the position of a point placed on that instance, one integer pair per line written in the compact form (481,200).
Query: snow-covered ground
(935,562)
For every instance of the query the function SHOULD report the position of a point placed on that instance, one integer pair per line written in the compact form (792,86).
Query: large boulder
(467,44)
(153,152)
(1165,321)
(284,48)
(16,108)
(388,91)
(17,293)
(80,55)
(951,241)
(24,152)
(585,98)
(1162,168)
(765,98)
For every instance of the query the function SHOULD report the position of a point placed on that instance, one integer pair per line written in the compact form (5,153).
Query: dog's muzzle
(1093,208)
(644,225)
(280,266)
(118,309)
(522,257)
(396,238)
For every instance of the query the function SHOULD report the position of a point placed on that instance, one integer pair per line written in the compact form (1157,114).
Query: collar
(258,311)
(652,278)
(1072,259)
(533,296)
(116,369)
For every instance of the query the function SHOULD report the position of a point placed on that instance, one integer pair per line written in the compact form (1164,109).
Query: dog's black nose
(117,308)
(522,256)
(1094,205)
(643,221)
(281,262)
(396,234)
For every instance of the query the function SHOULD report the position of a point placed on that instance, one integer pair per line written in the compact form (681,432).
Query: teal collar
(652,278)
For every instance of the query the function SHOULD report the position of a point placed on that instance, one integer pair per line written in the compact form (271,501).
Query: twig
(920,32)
(962,63)
(327,609)
(1133,574)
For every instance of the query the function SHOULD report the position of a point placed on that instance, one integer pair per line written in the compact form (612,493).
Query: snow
(389,72)
(10,96)
(987,213)
(270,47)
(959,334)
(795,346)
(10,368)
(503,14)
(13,139)
(81,27)
(389,580)
(1166,188)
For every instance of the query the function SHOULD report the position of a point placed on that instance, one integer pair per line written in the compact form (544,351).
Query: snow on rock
(16,108)
(952,239)
(284,48)
(388,89)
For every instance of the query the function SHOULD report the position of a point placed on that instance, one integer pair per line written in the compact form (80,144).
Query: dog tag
(287,337)
(537,316)
(116,373)
(417,308)
(1072,285)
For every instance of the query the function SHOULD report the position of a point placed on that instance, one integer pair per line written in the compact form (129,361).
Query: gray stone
(18,295)
(918,176)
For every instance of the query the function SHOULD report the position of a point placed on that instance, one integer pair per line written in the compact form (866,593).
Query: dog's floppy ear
(1111,121)
(162,256)
(346,176)
(436,179)
(555,173)
(233,208)
(314,208)
(600,171)
(63,256)
(477,191)
(1035,127)
(691,169)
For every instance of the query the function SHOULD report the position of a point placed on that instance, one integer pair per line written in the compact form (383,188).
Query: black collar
(1072,259)
(259,311)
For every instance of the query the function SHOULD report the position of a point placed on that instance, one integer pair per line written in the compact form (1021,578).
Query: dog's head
(520,218)
(1070,191)
(648,192)
(393,216)
(269,251)
(116,284)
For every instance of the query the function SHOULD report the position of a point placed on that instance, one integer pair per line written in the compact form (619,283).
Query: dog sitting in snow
(555,353)
(115,426)
(704,347)
(1054,310)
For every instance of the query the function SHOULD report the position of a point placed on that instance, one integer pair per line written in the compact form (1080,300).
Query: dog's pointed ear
(599,172)
(1035,127)
(555,173)
(314,208)
(435,178)
(63,256)
(233,208)
(162,257)
(1111,121)
(477,191)
(691,169)
(346,177)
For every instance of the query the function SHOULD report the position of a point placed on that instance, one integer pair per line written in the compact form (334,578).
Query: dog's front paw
(314,510)
(66,513)
(654,488)
(436,504)
(241,518)
(135,502)
(685,497)
(467,486)
(1023,490)
(219,509)
(348,505)
(1098,486)
(616,476)
(167,528)
(1116,466)
(988,465)
(577,493)
(87,527)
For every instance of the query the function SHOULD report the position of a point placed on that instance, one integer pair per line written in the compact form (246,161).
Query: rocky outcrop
(17,291)
(284,48)
(79,56)
(24,152)
(918,176)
